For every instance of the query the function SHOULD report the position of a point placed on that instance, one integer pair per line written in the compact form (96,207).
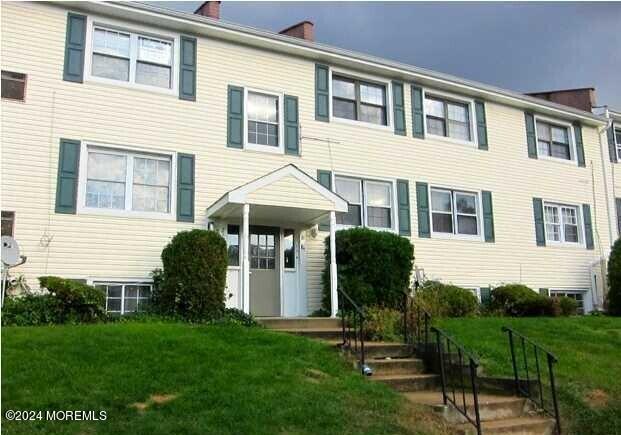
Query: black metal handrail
(416,324)
(352,323)
(533,389)
(453,379)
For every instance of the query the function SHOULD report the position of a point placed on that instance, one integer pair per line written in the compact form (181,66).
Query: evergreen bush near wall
(374,267)
(614,280)
(446,300)
(193,279)
(521,301)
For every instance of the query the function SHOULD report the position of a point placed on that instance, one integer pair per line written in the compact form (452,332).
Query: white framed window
(618,141)
(455,213)
(449,117)
(137,57)
(120,181)
(563,223)
(263,120)
(360,99)
(371,202)
(554,139)
(577,295)
(125,297)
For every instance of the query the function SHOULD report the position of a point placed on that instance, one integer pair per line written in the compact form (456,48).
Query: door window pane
(232,242)
(262,251)
(289,249)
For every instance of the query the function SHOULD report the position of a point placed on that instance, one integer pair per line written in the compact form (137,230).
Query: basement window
(125,297)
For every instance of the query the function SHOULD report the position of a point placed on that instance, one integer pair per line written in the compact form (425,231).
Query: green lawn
(208,380)
(588,371)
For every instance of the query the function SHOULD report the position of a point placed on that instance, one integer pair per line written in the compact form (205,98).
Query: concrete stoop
(395,364)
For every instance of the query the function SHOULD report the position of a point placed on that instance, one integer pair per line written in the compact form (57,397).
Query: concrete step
(396,366)
(408,383)
(491,406)
(512,426)
(322,333)
(380,349)
(299,322)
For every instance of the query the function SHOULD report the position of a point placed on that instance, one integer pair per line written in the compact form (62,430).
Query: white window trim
(372,79)
(361,203)
(480,236)
(473,142)
(394,215)
(572,141)
(133,29)
(280,149)
(581,235)
(615,129)
(122,282)
(135,152)
(585,293)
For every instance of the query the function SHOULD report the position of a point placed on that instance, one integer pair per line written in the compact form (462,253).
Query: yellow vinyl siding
(290,192)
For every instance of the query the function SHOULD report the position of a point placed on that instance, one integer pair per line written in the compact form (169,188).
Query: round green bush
(193,279)
(520,300)
(614,280)
(383,324)
(374,267)
(567,306)
(447,300)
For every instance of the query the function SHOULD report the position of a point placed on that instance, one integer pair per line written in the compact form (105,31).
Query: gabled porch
(271,215)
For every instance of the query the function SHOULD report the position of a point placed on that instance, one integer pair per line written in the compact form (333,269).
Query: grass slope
(589,368)
(222,380)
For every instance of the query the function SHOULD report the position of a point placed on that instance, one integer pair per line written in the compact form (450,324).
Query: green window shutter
(588,226)
(612,148)
(544,292)
(67,182)
(418,117)
(75,43)
(579,144)
(422,204)
(618,207)
(531,135)
(398,106)
(403,199)
(488,216)
(322,93)
(540,231)
(187,69)
(325,179)
(486,296)
(479,108)
(292,125)
(185,188)
(235,126)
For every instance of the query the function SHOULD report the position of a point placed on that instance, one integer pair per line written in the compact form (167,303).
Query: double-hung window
(370,202)
(359,100)
(553,140)
(562,223)
(618,141)
(132,58)
(120,180)
(124,298)
(455,212)
(263,119)
(448,118)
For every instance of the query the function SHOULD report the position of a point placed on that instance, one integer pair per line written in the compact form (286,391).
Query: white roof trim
(325,53)
(240,194)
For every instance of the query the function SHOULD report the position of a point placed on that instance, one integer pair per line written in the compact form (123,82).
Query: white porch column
(245,260)
(334,297)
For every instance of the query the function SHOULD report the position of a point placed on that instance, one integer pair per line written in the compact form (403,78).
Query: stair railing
(416,325)
(531,385)
(455,383)
(352,323)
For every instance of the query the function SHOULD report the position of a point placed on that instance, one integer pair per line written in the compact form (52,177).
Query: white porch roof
(287,195)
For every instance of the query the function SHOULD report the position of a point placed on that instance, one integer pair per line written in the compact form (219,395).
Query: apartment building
(123,124)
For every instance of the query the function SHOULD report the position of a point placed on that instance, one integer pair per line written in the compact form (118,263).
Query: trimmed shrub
(446,300)
(567,306)
(374,267)
(194,276)
(614,280)
(237,317)
(68,301)
(383,324)
(520,301)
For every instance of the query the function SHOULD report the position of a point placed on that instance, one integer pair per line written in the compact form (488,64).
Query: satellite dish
(10,251)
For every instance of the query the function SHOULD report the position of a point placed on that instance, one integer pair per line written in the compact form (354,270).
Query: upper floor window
(13,85)
(359,100)
(553,140)
(119,180)
(132,58)
(448,118)
(562,223)
(618,141)
(262,119)
(8,223)
(370,202)
(454,212)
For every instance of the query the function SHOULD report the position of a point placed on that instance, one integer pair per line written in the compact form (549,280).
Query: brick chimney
(581,98)
(303,30)
(209,9)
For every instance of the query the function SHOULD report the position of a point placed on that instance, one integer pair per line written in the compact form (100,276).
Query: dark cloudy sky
(519,46)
